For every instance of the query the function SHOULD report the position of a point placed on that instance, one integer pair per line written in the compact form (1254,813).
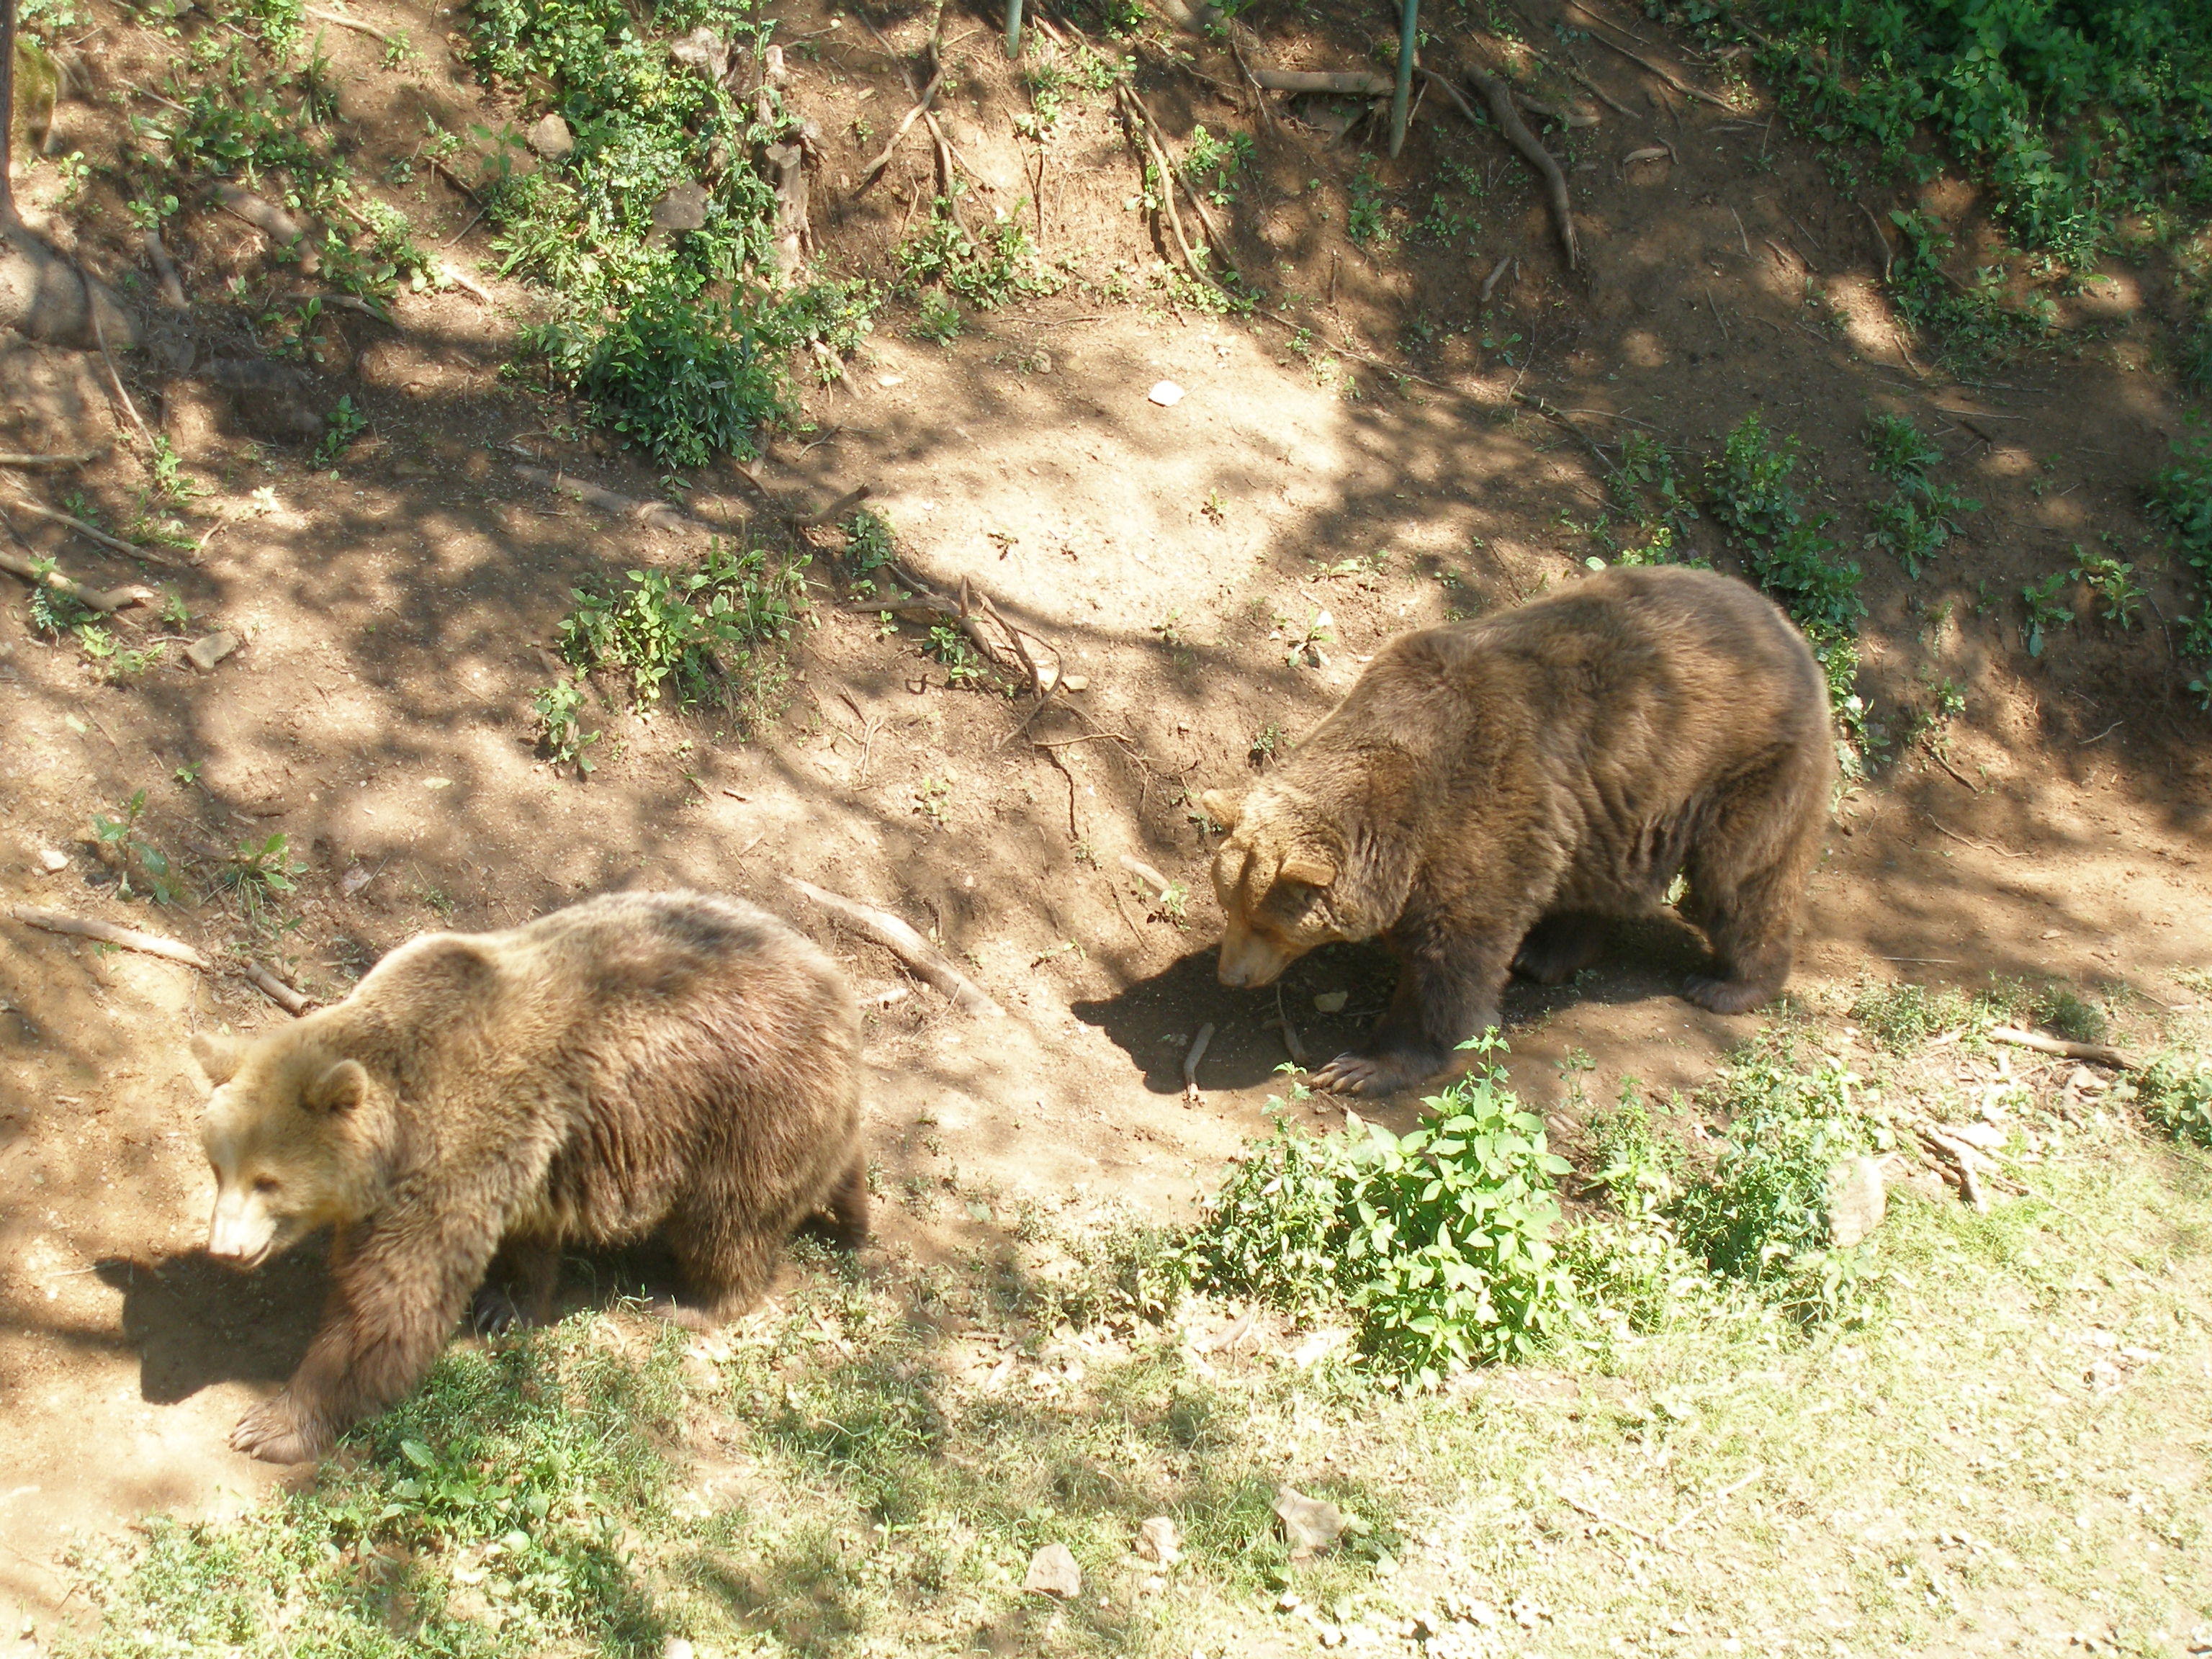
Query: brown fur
(640,1062)
(1489,790)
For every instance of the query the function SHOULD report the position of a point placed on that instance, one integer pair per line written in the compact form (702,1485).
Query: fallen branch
(1967,841)
(1499,97)
(107,601)
(1489,282)
(271,220)
(1962,1158)
(358,27)
(836,509)
(79,457)
(114,378)
(2097,1054)
(59,921)
(450,272)
(292,1001)
(1616,1523)
(1559,417)
(908,946)
(658,515)
(1668,75)
(1191,1097)
(91,533)
(928,93)
(1297,1050)
(1358,83)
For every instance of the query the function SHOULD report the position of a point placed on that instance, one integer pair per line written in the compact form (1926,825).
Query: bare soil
(396,613)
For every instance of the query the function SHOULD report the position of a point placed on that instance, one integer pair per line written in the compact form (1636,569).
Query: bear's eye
(264,1185)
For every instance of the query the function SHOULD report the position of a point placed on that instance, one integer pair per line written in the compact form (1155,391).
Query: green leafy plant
(937,318)
(714,633)
(257,876)
(1917,521)
(2047,609)
(559,709)
(987,267)
(2176,1092)
(1363,213)
(2113,585)
(1437,1243)
(950,646)
(341,426)
(1214,165)
(1896,449)
(125,849)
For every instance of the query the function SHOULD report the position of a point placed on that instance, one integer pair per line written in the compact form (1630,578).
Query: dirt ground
(396,612)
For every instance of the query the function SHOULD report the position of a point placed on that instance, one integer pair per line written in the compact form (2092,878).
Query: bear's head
(1276,877)
(283,1134)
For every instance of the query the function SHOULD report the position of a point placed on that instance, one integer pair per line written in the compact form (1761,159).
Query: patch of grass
(714,634)
(1904,1016)
(2062,1010)
(987,267)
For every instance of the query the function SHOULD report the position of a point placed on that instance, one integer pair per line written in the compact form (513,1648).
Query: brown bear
(640,1062)
(1489,790)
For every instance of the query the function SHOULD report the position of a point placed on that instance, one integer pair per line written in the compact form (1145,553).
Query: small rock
(1857,1202)
(704,50)
(355,879)
(1166,393)
(551,138)
(1158,1540)
(204,654)
(1075,681)
(1309,1524)
(1053,1571)
(676,1648)
(437,783)
(684,207)
(1332,1002)
(52,860)
(1041,361)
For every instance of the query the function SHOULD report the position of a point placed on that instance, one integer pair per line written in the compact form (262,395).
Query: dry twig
(2097,1054)
(106,602)
(59,921)
(291,999)
(908,945)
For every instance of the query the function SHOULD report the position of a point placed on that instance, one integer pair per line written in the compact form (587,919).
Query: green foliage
(559,709)
(937,318)
(125,850)
(1437,1243)
(2176,1091)
(950,646)
(2060,1009)
(1896,448)
(1901,1017)
(2047,609)
(257,878)
(341,426)
(715,633)
(2180,497)
(2112,584)
(1917,521)
(52,613)
(483,1515)
(1363,212)
(986,268)
(2075,111)
(1761,1215)
(1749,488)
(1215,164)
(683,380)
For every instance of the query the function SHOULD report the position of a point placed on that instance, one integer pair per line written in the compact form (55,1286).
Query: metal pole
(1409,20)
(1013,29)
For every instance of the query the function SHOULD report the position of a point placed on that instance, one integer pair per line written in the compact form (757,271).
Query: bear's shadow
(1153,1019)
(196,1324)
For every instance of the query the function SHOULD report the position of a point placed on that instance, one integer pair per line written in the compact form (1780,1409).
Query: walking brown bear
(640,1062)
(1490,790)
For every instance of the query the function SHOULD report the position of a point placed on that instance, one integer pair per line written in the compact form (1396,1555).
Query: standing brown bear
(1490,790)
(640,1062)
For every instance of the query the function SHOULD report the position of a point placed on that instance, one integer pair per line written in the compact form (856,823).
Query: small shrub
(2112,582)
(257,878)
(340,427)
(987,267)
(1901,1017)
(2059,1008)
(1896,449)
(2046,611)
(2176,1090)
(1439,1243)
(559,709)
(1916,522)
(712,633)
(125,849)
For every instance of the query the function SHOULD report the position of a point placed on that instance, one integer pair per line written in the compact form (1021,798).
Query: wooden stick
(1357,82)
(1138,867)
(908,946)
(659,514)
(1297,1050)
(1499,97)
(868,173)
(2097,1054)
(92,534)
(1962,1157)
(291,1001)
(115,379)
(355,24)
(106,602)
(1191,1097)
(79,457)
(59,921)
(836,509)
(1680,86)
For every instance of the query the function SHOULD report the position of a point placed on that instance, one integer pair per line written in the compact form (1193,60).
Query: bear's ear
(219,1057)
(1223,808)
(1312,865)
(340,1088)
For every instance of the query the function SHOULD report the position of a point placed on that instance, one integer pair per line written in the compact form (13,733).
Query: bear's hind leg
(519,1289)
(1560,946)
(1746,886)
(725,1267)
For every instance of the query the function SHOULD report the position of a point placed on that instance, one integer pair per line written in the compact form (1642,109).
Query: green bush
(2176,1091)
(1901,1017)
(987,267)
(1439,1243)
(712,633)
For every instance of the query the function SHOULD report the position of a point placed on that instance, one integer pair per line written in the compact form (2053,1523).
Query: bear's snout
(240,1235)
(1250,958)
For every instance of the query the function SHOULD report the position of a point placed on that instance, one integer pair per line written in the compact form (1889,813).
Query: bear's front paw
(1374,1074)
(1726,996)
(494,1312)
(273,1432)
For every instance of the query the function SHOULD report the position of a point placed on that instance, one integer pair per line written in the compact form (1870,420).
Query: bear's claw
(1353,1073)
(271,1432)
(1725,996)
